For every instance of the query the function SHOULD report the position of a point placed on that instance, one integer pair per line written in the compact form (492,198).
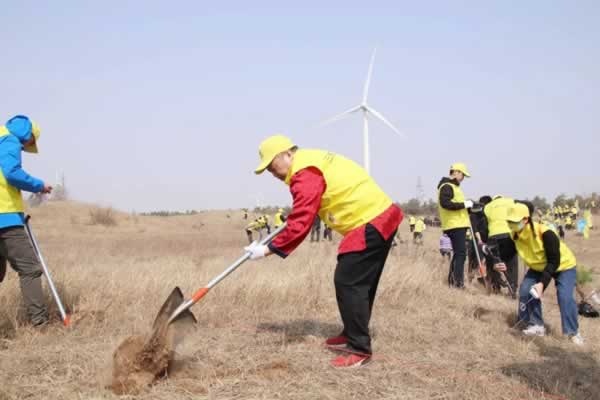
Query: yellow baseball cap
(35,131)
(517,212)
(269,148)
(460,167)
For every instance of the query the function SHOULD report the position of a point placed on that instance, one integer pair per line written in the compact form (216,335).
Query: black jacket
(447,193)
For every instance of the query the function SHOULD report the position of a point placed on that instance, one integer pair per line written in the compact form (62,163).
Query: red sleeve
(307,187)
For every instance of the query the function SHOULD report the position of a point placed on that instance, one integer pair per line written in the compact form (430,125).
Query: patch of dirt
(140,360)
(128,376)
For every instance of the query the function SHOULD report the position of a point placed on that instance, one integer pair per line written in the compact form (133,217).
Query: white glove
(256,250)
(468,203)
(486,250)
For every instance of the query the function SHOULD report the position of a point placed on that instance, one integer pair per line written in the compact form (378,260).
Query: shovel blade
(170,304)
(182,325)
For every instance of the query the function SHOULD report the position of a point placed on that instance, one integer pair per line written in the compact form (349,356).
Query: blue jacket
(10,164)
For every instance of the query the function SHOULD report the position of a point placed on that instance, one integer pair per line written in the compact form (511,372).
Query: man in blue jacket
(18,134)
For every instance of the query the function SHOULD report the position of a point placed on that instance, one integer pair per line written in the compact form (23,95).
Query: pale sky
(161,105)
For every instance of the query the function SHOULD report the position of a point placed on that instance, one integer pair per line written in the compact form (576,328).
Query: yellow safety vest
(587,215)
(419,226)
(351,197)
(278,219)
(10,197)
(531,249)
(496,212)
(452,219)
(252,225)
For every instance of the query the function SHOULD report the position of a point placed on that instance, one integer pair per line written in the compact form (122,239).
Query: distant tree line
(417,207)
(429,207)
(267,210)
(164,213)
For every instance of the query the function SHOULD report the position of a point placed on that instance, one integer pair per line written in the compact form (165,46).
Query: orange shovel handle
(199,294)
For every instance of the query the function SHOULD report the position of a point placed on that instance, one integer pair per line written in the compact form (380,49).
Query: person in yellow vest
(255,226)
(418,232)
(266,225)
(452,207)
(18,134)
(500,238)
(411,223)
(279,218)
(587,215)
(547,258)
(568,223)
(349,201)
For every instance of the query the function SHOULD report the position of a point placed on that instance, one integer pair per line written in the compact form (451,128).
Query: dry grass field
(260,332)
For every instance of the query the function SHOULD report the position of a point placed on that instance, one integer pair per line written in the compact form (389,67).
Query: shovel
(140,360)
(66,318)
(200,293)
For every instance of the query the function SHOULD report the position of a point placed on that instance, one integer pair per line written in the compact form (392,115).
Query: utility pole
(420,191)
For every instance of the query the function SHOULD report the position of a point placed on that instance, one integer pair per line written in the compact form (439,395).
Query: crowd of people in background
(494,232)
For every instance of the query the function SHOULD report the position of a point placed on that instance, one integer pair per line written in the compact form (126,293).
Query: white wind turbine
(366,110)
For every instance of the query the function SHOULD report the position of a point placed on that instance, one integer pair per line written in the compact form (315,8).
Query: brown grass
(102,216)
(260,332)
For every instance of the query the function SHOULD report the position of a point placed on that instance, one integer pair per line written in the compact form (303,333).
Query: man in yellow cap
(418,231)
(453,207)
(411,223)
(255,225)
(348,200)
(18,134)
(547,258)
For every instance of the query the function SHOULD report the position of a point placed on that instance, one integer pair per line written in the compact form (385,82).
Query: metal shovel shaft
(474,242)
(202,291)
(63,314)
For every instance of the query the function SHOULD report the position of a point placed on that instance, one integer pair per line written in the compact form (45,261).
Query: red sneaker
(350,360)
(337,341)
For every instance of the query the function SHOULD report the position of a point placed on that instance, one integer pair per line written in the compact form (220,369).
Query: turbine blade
(340,116)
(385,121)
(369,73)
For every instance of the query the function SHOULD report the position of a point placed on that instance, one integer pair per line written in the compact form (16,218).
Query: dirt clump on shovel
(140,360)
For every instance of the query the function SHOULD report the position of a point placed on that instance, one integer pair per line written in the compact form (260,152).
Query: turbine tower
(366,111)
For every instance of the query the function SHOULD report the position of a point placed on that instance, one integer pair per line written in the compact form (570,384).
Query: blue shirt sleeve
(10,163)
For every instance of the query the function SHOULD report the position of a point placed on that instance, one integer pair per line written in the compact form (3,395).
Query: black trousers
(456,274)
(507,252)
(356,278)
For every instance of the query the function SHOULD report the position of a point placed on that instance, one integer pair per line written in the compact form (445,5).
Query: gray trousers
(16,247)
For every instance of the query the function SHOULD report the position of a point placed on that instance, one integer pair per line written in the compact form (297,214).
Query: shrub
(102,216)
